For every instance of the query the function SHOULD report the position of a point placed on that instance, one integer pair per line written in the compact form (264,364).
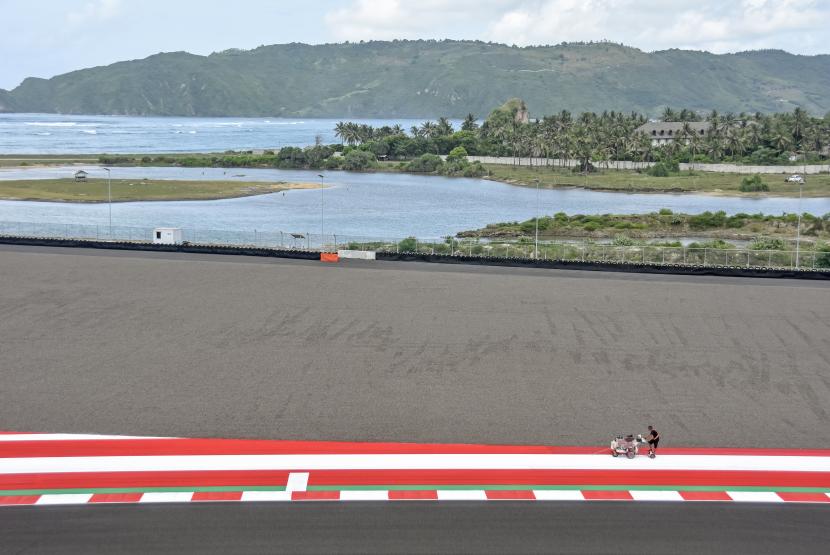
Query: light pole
(109,196)
(536,248)
(322,186)
(798,230)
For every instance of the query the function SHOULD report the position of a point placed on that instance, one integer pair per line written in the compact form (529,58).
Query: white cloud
(94,12)
(553,21)
(714,25)
(400,19)
(745,24)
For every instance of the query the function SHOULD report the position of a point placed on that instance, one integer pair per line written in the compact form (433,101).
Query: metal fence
(586,252)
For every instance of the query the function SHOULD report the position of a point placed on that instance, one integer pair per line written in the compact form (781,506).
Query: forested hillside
(431,78)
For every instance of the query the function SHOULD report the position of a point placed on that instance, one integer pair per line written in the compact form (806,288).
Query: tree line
(591,138)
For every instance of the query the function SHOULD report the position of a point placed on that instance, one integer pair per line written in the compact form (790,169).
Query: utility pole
(322,187)
(536,249)
(800,195)
(109,196)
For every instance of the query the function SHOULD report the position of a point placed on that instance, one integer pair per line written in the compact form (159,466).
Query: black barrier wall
(189,248)
(436,259)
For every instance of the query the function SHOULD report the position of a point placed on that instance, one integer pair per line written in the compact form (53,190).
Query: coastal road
(418,528)
(220,346)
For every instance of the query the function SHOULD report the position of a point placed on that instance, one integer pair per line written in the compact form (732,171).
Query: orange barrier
(329,257)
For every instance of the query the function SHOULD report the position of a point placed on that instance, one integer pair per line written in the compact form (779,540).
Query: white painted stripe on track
(558,495)
(167,497)
(364,495)
(47,465)
(755,496)
(266,496)
(69,437)
(461,495)
(64,499)
(654,495)
(297,481)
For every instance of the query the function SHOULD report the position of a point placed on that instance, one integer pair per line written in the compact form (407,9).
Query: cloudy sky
(43,38)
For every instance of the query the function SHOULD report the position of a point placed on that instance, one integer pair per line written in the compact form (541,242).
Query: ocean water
(61,134)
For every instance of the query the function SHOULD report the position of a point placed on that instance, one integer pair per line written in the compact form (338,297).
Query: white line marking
(364,495)
(558,495)
(167,497)
(643,495)
(67,437)
(43,465)
(266,496)
(64,499)
(755,496)
(461,495)
(297,481)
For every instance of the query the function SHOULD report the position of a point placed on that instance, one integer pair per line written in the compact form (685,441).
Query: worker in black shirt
(653,437)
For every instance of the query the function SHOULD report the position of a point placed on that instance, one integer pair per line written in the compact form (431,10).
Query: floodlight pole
(798,231)
(109,196)
(322,186)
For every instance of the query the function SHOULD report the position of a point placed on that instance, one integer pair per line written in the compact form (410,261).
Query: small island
(667,228)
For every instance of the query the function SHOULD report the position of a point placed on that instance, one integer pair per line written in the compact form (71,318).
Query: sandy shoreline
(263,189)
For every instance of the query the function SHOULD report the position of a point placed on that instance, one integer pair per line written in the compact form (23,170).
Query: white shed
(167,236)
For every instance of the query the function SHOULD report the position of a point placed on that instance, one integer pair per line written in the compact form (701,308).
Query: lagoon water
(62,134)
(365,205)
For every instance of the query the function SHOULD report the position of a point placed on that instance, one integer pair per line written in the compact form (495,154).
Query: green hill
(430,78)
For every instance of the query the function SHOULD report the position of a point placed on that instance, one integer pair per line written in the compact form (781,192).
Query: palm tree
(714,148)
(340,130)
(645,147)
(350,133)
(444,127)
(714,122)
(780,140)
(729,122)
(687,115)
(799,123)
(365,133)
(737,142)
(584,147)
(539,146)
(694,145)
(470,123)
(429,129)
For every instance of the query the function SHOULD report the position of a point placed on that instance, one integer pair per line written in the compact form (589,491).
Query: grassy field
(17,160)
(124,190)
(633,182)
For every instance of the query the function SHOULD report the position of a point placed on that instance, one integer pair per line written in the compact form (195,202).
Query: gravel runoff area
(200,345)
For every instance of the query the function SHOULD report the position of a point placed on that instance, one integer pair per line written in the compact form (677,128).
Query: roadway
(414,527)
(221,346)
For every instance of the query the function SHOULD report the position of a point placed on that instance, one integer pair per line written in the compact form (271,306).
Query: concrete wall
(736,168)
(628,165)
(359,255)
(614,165)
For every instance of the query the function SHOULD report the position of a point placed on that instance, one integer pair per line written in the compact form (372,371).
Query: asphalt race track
(212,346)
(418,528)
